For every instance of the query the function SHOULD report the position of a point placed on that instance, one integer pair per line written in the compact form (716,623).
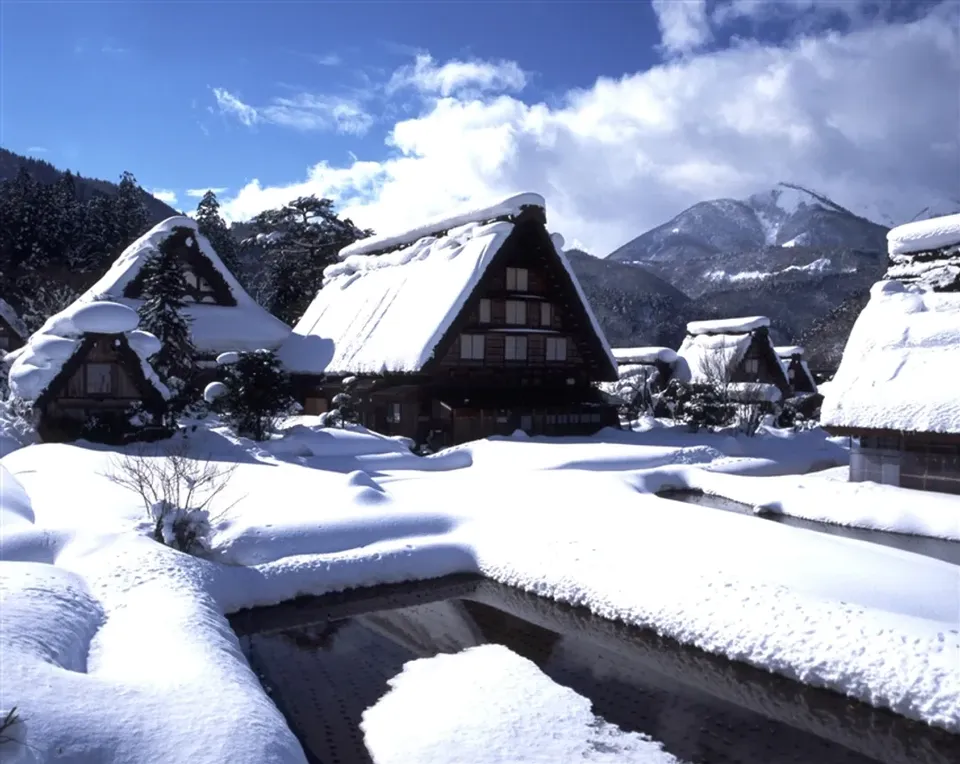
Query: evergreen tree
(162,314)
(212,225)
(131,211)
(345,405)
(256,394)
(299,240)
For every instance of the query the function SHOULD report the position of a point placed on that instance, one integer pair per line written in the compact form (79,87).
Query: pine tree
(345,405)
(257,394)
(212,225)
(162,315)
(131,211)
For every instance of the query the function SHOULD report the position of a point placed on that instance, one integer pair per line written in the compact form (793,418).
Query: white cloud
(37,149)
(458,76)
(164,195)
(325,59)
(865,116)
(197,193)
(684,24)
(305,111)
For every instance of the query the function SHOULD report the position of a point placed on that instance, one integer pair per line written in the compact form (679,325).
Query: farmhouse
(222,316)
(13,332)
(465,327)
(798,372)
(896,392)
(738,352)
(85,373)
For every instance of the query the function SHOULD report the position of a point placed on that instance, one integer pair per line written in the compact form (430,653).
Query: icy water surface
(940,549)
(324,660)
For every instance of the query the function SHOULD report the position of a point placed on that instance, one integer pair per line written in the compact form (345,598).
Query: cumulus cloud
(304,111)
(458,76)
(197,193)
(164,195)
(867,117)
(684,24)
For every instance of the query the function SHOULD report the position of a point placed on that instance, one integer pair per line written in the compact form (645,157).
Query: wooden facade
(761,365)
(801,379)
(923,461)
(103,380)
(521,354)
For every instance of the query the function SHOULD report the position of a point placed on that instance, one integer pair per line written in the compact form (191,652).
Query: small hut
(896,392)
(798,372)
(13,332)
(86,374)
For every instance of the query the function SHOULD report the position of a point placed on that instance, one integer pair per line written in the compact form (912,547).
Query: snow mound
(144,343)
(923,235)
(645,355)
(213,391)
(228,358)
(728,325)
(506,208)
(493,706)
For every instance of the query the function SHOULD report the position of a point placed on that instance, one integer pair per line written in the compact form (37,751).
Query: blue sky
(620,113)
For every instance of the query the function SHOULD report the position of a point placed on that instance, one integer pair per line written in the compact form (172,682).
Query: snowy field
(115,648)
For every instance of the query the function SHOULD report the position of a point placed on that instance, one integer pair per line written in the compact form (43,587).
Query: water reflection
(939,549)
(326,660)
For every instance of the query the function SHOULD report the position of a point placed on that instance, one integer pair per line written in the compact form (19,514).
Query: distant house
(643,371)
(737,353)
(13,332)
(223,317)
(896,392)
(466,327)
(798,372)
(86,374)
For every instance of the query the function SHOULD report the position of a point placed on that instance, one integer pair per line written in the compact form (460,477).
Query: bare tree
(176,490)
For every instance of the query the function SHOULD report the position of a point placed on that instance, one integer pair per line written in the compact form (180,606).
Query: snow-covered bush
(345,406)
(176,490)
(255,395)
(18,423)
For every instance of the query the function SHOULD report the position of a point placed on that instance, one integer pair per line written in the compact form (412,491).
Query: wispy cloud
(164,195)
(37,149)
(304,111)
(114,50)
(458,76)
(197,193)
(325,59)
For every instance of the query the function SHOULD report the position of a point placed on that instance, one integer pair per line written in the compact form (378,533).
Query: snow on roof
(387,313)
(8,314)
(509,207)
(924,235)
(728,325)
(213,328)
(41,359)
(709,356)
(644,355)
(788,351)
(899,366)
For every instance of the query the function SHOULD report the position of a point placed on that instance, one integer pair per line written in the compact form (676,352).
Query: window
(752,366)
(556,348)
(394,413)
(526,423)
(516,312)
(551,418)
(485,311)
(99,378)
(516,349)
(471,346)
(517,279)
(546,314)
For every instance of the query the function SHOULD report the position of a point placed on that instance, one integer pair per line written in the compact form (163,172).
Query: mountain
(46,173)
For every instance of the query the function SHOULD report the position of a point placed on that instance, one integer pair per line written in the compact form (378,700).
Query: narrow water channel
(940,549)
(324,660)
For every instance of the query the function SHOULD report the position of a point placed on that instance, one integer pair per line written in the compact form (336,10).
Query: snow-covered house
(643,371)
(896,391)
(461,328)
(13,332)
(735,351)
(926,252)
(222,316)
(798,372)
(85,373)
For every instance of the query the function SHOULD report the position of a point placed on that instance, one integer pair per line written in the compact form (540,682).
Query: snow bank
(728,325)
(753,392)
(924,235)
(493,706)
(644,355)
(506,208)
(900,363)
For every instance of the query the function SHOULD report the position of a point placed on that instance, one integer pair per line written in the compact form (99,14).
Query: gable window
(546,314)
(516,312)
(471,346)
(516,348)
(752,366)
(394,413)
(556,348)
(517,279)
(98,378)
(198,288)
(485,311)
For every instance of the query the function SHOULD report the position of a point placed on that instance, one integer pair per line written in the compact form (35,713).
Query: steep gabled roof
(244,325)
(383,313)
(709,344)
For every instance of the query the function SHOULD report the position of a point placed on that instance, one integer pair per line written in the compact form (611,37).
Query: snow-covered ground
(114,648)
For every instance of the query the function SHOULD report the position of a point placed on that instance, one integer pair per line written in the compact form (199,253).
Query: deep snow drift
(115,648)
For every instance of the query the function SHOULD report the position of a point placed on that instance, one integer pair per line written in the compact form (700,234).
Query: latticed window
(556,348)
(99,378)
(471,346)
(517,279)
(516,348)
(516,312)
